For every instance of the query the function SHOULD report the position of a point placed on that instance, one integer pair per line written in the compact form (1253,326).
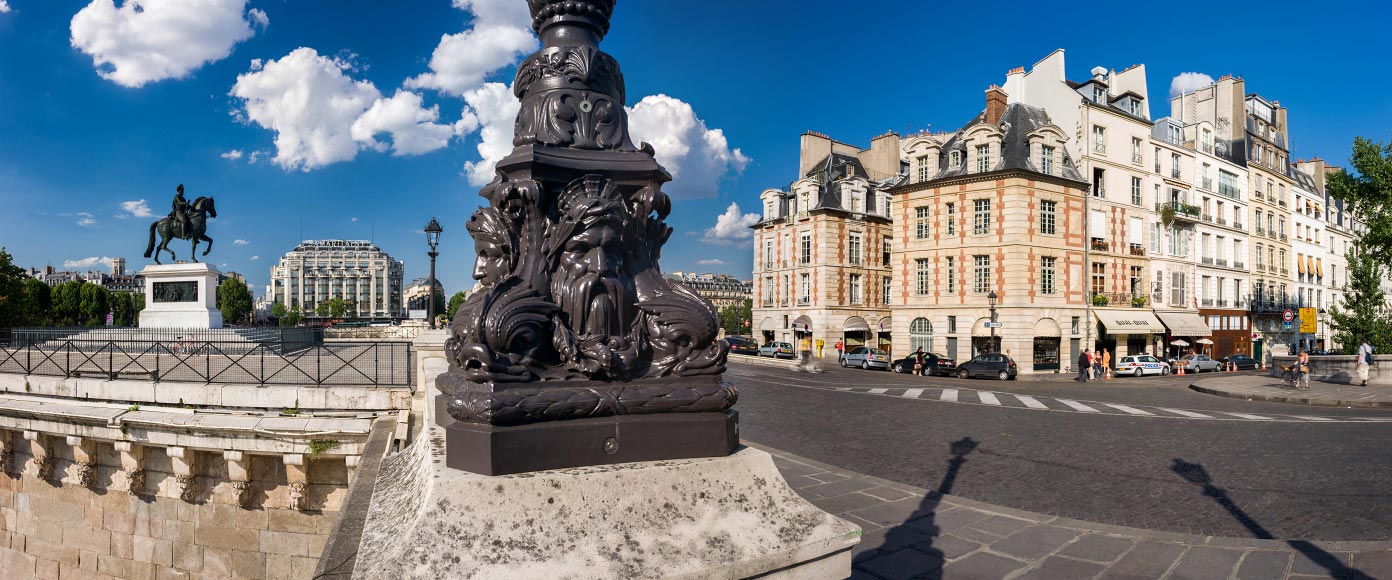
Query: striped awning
(1310,264)
(1300,264)
(1319,266)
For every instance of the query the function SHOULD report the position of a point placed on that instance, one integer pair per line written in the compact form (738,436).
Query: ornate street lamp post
(432,237)
(992,298)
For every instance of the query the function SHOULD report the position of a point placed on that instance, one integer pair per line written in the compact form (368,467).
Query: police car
(1141,365)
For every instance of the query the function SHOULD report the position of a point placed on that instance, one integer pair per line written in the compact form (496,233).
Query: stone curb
(1314,402)
(1093,527)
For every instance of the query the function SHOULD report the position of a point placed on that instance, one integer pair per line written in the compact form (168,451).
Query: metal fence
(292,356)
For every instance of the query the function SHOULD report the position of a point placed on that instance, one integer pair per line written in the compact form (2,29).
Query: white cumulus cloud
(1188,82)
(311,104)
(496,109)
(88,262)
(501,34)
(732,227)
(697,156)
(143,41)
(4,6)
(412,127)
(254,258)
(137,208)
(232,155)
(241,242)
(355,219)
(711,262)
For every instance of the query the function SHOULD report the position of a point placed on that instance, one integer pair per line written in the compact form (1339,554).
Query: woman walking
(1365,361)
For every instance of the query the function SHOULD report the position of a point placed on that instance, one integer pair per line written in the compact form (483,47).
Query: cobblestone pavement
(1265,388)
(1297,478)
(911,532)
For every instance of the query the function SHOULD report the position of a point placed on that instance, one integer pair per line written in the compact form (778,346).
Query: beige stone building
(821,262)
(997,207)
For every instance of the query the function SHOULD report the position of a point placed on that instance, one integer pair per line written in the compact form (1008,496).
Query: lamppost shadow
(920,529)
(1196,474)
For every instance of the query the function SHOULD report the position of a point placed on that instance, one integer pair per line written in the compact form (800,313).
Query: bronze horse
(199,211)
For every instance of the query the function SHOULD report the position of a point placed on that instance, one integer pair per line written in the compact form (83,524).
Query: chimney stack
(995,105)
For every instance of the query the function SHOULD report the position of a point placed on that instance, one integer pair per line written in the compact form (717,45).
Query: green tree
(322,309)
(36,303)
(1368,195)
(278,310)
(735,318)
(1362,313)
(293,317)
(67,303)
(121,305)
(440,305)
(234,300)
(11,291)
(454,303)
(137,303)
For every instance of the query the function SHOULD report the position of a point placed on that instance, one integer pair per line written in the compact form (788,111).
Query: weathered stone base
(504,450)
(719,518)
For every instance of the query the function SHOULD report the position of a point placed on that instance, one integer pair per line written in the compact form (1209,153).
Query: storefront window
(1046,353)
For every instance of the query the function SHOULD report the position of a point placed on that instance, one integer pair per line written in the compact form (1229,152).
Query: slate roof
(1018,121)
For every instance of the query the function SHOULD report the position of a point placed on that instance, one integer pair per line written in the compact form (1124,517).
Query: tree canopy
(234,300)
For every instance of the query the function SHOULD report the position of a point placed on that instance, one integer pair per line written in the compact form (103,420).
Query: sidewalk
(1265,388)
(916,533)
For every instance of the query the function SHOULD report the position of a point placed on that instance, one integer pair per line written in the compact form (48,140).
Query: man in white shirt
(1365,356)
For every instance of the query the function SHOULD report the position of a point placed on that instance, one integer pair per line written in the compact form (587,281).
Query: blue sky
(102,105)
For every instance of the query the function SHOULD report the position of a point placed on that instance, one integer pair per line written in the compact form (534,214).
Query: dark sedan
(933,364)
(742,345)
(1243,362)
(988,365)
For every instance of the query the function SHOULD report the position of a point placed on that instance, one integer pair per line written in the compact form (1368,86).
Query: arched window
(920,334)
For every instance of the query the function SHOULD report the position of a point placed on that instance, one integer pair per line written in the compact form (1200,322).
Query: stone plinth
(180,296)
(716,518)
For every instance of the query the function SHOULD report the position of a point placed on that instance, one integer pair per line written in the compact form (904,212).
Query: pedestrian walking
(839,347)
(1106,362)
(1365,362)
(919,362)
(1302,369)
(1084,366)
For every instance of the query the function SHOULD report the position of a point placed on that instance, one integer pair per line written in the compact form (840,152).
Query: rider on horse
(180,210)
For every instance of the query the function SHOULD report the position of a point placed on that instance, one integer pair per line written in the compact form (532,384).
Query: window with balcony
(767,291)
(1174,165)
(768,253)
(885,249)
(1099,139)
(1157,160)
(981,216)
(804,289)
(1135,191)
(1046,160)
(922,225)
(1137,281)
(1048,217)
(853,283)
(786,291)
(887,284)
(922,276)
(853,249)
(805,256)
(951,275)
(1097,280)
(981,274)
(983,158)
(1047,274)
(1136,151)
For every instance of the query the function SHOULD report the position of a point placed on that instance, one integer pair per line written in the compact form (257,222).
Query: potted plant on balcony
(1167,214)
(1138,301)
(1099,300)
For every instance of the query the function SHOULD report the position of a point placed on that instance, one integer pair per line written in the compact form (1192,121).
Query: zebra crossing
(1044,403)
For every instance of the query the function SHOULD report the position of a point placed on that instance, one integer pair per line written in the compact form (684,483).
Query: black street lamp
(992,298)
(432,237)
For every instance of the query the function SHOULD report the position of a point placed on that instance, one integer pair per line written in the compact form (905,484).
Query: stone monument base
(180,296)
(717,518)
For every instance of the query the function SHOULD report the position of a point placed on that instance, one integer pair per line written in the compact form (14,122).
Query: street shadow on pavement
(1196,474)
(918,532)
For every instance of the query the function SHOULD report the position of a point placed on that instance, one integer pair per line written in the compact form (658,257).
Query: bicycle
(1291,379)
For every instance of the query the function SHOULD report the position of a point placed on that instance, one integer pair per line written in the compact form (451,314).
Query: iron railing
(296,356)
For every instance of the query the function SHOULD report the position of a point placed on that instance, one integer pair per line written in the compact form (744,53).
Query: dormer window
(1046,160)
(983,158)
(923,169)
(954,159)
(1134,107)
(770,210)
(1098,94)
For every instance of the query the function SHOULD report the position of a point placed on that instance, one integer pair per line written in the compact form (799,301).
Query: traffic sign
(1288,316)
(1309,321)
(995,324)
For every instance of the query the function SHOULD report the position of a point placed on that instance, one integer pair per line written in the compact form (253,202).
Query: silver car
(776,349)
(866,358)
(1197,363)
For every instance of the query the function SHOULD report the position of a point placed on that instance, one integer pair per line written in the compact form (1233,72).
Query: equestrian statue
(186,221)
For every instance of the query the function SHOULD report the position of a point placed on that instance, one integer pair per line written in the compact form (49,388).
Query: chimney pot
(995,105)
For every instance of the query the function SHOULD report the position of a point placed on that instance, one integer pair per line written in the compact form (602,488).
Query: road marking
(1129,410)
(1375,418)
(1031,402)
(948,396)
(842,388)
(1078,406)
(988,398)
(1309,418)
(877,391)
(912,393)
(1246,416)
(1184,413)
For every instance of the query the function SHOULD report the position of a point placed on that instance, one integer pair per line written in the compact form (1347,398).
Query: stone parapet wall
(1340,368)
(242,396)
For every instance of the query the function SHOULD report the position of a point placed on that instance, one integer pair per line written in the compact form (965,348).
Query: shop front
(1124,332)
(983,340)
(768,330)
(882,334)
(1186,331)
(855,332)
(1048,340)
(802,334)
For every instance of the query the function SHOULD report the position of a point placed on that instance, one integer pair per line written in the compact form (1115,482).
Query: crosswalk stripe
(1309,418)
(877,391)
(988,398)
(1184,413)
(1031,402)
(842,388)
(1375,418)
(1246,416)
(1078,406)
(1129,410)
(912,393)
(948,396)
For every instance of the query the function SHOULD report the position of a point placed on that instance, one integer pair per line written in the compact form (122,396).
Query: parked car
(776,349)
(988,365)
(742,345)
(866,358)
(1139,365)
(934,363)
(1242,361)
(1196,363)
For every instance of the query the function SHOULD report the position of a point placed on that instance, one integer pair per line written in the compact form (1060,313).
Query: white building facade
(356,271)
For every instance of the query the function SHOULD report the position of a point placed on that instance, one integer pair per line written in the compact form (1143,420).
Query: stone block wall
(58,528)
(1340,368)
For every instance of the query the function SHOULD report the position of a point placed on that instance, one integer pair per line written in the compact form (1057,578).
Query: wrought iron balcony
(1100,245)
(1182,211)
(1119,299)
(1222,262)
(1207,261)
(1136,249)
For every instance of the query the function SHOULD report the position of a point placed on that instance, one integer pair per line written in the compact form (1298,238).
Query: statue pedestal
(715,518)
(180,296)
